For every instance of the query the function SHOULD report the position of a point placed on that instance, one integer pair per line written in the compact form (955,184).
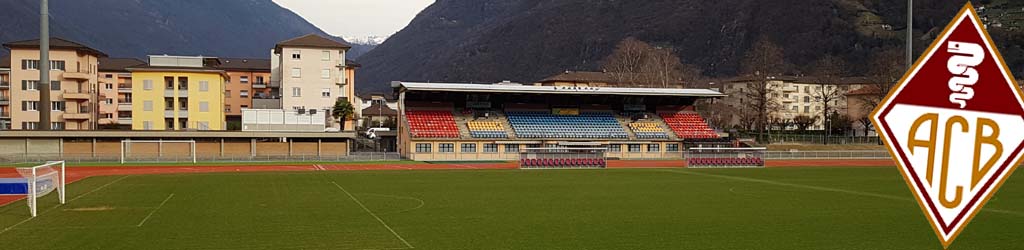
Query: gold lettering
(979,139)
(930,143)
(944,172)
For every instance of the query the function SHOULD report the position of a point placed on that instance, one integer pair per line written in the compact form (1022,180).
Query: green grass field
(793,208)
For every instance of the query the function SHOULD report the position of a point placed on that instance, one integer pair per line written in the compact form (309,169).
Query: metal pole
(910,34)
(44,65)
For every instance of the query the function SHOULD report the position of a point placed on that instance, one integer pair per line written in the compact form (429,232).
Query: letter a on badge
(953,125)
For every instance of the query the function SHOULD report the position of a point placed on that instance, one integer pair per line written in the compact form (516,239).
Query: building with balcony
(248,84)
(5,93)
(313,74)
(115,88)
(178,93)
(791,97)
(73,85)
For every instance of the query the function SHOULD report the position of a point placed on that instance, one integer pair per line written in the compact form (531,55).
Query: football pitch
(782,208)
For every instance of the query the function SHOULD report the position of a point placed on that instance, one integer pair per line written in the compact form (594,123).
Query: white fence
(827,155)
(283,120)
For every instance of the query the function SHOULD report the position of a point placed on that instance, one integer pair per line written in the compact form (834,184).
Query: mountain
(136,28)
(527,40)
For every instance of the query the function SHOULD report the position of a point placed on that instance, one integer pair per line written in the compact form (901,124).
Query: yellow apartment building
(115,88)
(178,93)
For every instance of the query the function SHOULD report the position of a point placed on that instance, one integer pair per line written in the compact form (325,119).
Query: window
(653,147)
(446,147)
(203,125)
(57,126)
(30,64)
(807,89)
(57,65)
(423,148)
(296,55)
(490,148)
(109,86)
(30,125)
(807,99)
(147,125)
(29,85)
(243,79)
(615,148)
(147,84)
(807,109)
(227,94)
(325,92)
(325,74)
(634,148)
(29,106)
(227,108)
(259,79)
(469,147)
(183,83)
(183,104)
(244,106)
(204,106)
(243,93)
(672,147)
(326,55)
(796,108)
(110,101)
(296,72)
(168,103)
(169,82)
(204,86)
(511,148)
(147,106)
(108,116)
(55,85)
(108,76)
(296,91)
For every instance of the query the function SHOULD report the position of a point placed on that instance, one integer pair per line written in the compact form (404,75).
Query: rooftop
(118,64)
(5,62)
(377,109)
(531,89)
(313,41)
(245,64)
(590,77)
(55,43)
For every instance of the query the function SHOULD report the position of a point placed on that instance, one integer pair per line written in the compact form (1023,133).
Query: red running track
(78,173)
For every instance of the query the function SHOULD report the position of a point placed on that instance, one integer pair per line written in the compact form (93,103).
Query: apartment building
(248,86)
(5,93)
(178,93)
(313,73)
(115,88)
(73,82)
(792,95)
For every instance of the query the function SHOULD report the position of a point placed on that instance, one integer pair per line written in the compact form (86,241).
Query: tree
(802,122)
(639,64)
(830,90)
(885,69)
(342,111)
(763,62)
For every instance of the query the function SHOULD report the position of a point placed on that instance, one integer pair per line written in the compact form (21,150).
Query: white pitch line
(374,215)
(154,210)
(827,189)
(59,205)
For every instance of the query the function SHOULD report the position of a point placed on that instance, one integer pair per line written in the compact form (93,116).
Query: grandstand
(458,122)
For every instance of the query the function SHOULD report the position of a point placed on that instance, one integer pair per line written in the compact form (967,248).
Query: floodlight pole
(44,66)
(910,34)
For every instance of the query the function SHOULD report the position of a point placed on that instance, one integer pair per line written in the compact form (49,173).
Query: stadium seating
(562,163)
(689,126)
(432,124)
(648,130)
(533,124)
(726,162)
(486,129)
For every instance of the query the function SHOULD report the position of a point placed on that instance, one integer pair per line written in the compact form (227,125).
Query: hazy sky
(357,18)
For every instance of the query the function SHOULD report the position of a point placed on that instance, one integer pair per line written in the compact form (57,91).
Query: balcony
(170,113)
(4,101)
(124,106)
(266,103)
(124,88)
(124,120)
(790,89)
(342,81)
(171,92)
(75,95)
(5,85)
(81,115)
(78,75)
(259,85)
(5,115)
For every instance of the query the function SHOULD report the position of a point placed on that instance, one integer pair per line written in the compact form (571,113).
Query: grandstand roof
(532,89)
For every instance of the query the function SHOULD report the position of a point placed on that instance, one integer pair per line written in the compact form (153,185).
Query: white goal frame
(125,144)
(31,175)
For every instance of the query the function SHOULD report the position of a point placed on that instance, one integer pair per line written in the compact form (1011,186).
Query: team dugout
(458,121)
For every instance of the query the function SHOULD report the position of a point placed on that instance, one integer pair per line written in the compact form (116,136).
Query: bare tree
(641,65)
(803,122)
(885,69)
(830,90)
(763,62)
(627,61)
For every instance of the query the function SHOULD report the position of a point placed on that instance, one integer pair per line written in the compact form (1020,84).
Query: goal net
(725,157)
(158,151)
(549,158)
(42,180)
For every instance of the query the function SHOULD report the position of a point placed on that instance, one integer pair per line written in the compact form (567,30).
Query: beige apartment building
(5,93)
(73,80)
(793,95)
(313,74)
(115,88)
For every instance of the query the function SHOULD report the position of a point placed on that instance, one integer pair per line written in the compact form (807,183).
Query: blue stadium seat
(584,126)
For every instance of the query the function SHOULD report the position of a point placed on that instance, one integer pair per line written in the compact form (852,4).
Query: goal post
(555,158)
(42,180)
(700,157)
(157,150)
